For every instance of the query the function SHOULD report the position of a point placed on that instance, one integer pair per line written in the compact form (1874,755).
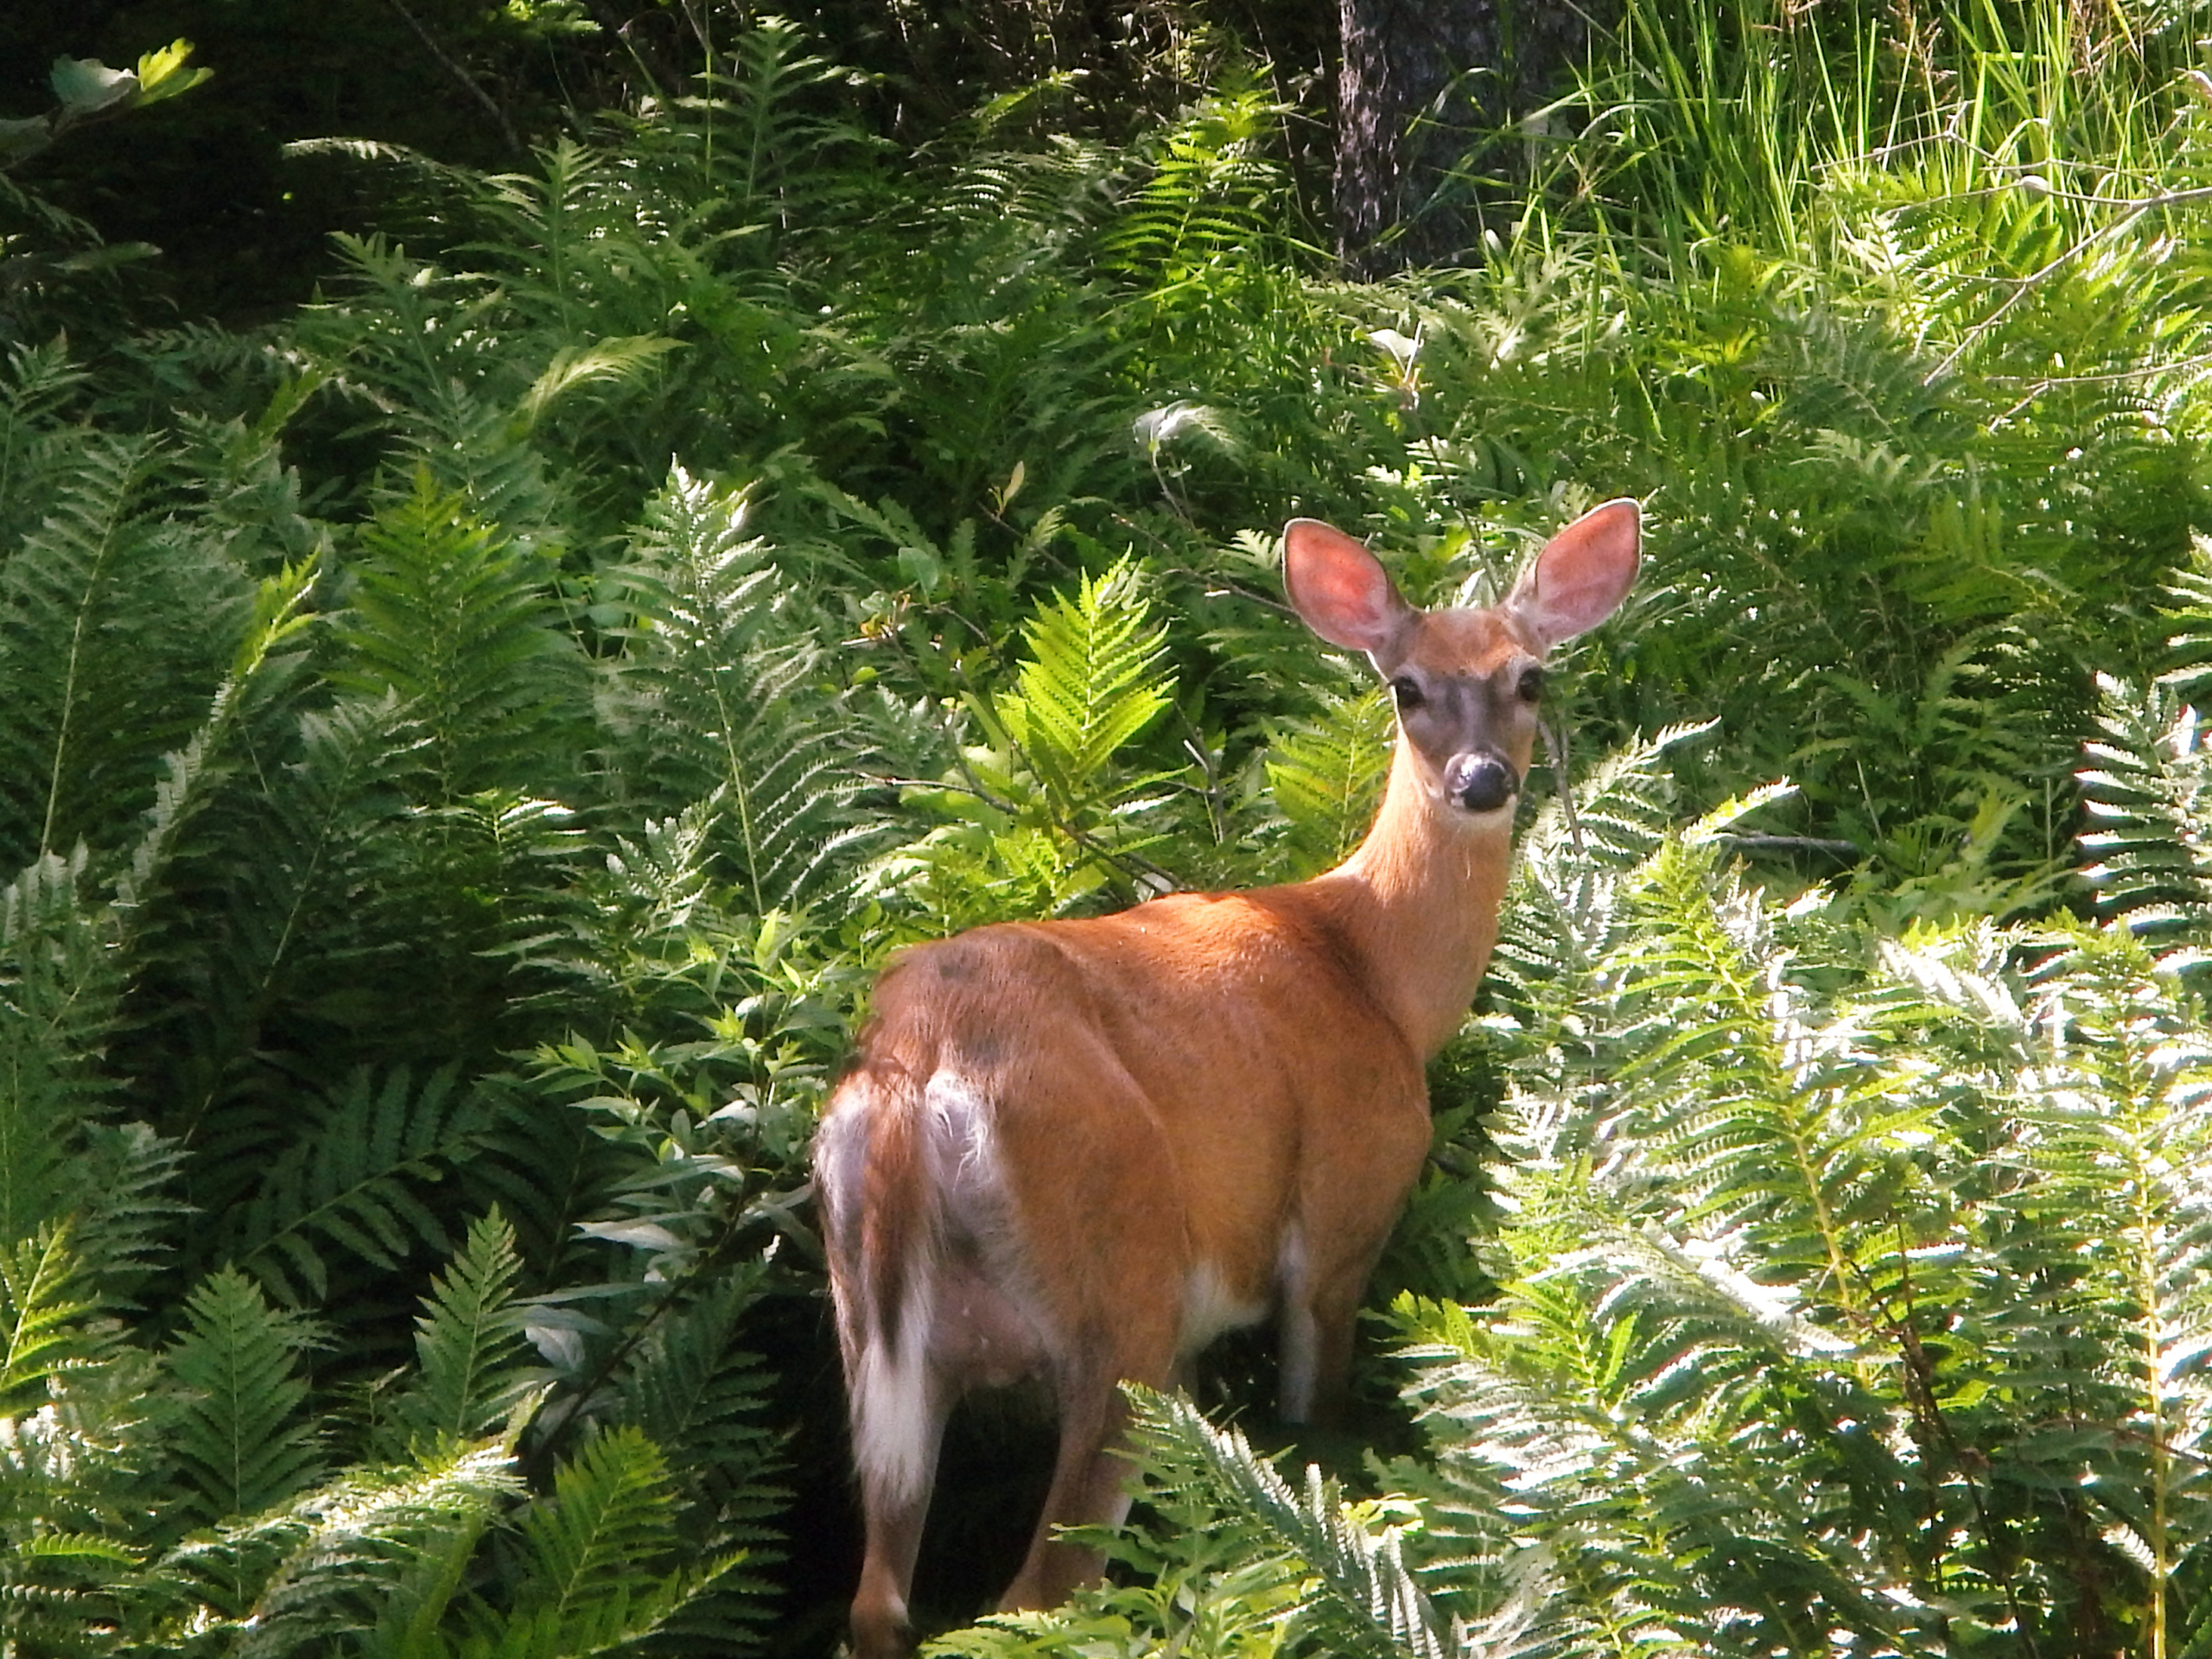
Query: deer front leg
(1326,1260)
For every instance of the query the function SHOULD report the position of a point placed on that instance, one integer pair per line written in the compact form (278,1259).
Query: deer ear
(1340,588)
(1581,577)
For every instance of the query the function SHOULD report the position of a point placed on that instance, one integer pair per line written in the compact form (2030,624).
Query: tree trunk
(1422,85)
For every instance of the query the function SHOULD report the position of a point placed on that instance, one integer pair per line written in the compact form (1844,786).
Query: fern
(470,1344)
(350,1179)
(59,987)
(585,1552)
(690,1387)
(1360,1597)
(1208,197)
(2153,864)
(98,658)
(716,696)
(459,627)
(355,1552)
(1092,682)
(44,1327)
(1327,775)
(237,1433)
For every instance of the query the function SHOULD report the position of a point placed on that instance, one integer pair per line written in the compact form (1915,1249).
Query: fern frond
(277,615)
(1207,200)
(1327,774)
(2144,790)
(237,1432)
(59,983)
(610,361)
(458,624)
(1093,680)
(348,1178)
(593,1546)
(1360,1599)
(470,1342)
(716,696)
(351,1546)
(45,1308)
(107,612)
(692,1388)
(1569,905)
(128,1210)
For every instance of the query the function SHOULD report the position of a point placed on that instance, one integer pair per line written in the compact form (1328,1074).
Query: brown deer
(1080,1150)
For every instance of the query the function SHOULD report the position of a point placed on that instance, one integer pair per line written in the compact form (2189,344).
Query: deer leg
(1317,1344)
(1321,1310)
(1088,1482)
(893,1510)
(1329,1253)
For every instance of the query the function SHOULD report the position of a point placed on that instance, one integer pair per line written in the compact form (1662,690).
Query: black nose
(1480,782)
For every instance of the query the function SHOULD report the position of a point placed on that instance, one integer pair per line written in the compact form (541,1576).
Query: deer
(1078,1150)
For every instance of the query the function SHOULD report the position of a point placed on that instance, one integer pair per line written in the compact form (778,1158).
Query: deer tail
(880,1204)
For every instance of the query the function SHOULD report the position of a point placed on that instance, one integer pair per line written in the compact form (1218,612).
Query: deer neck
(1418,900)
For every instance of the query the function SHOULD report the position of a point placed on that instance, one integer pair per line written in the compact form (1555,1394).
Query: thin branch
(2024,286)
(461,75)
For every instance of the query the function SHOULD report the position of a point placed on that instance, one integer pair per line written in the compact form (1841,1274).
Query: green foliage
(460,630)
(469,1343)
(1327,777)
(237,1433)
(468,741)
(715,639)
(347,1178)
(1039,822)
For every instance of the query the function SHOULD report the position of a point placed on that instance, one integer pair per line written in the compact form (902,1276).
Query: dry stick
(431,45)
(1556,745)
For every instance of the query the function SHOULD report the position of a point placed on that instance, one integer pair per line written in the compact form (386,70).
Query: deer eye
(1532,684)
(1407,694)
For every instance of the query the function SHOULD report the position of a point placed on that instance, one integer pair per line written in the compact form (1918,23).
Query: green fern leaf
(349,1179)
(378,1550)
(59,983)
(716,696)
(1327,775)
(237,1433)
(592,1547)
(1361,1597)
(470,1342)
(1094,680)
(2145,789)
(459,626)
(45,1307)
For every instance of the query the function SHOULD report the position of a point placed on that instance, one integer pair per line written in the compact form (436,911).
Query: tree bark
(1421,86)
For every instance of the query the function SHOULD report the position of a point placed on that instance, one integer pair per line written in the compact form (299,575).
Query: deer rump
(1082,1150)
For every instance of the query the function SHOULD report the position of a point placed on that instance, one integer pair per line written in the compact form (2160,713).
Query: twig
(461,75)
(1755,843)
(1556,746)
(2024,286)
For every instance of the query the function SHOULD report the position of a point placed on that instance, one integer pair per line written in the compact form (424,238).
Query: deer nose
(1481,781)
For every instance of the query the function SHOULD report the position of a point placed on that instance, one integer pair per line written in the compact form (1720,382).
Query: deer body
(1083,1149)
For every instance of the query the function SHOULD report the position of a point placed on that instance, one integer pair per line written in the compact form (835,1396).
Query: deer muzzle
(1481,780)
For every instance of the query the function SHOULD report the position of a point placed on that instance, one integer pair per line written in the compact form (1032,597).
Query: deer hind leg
(1090,1476)
(900,1416)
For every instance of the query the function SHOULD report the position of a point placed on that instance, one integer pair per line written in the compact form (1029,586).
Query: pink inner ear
(1583,574)
(1339,587)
